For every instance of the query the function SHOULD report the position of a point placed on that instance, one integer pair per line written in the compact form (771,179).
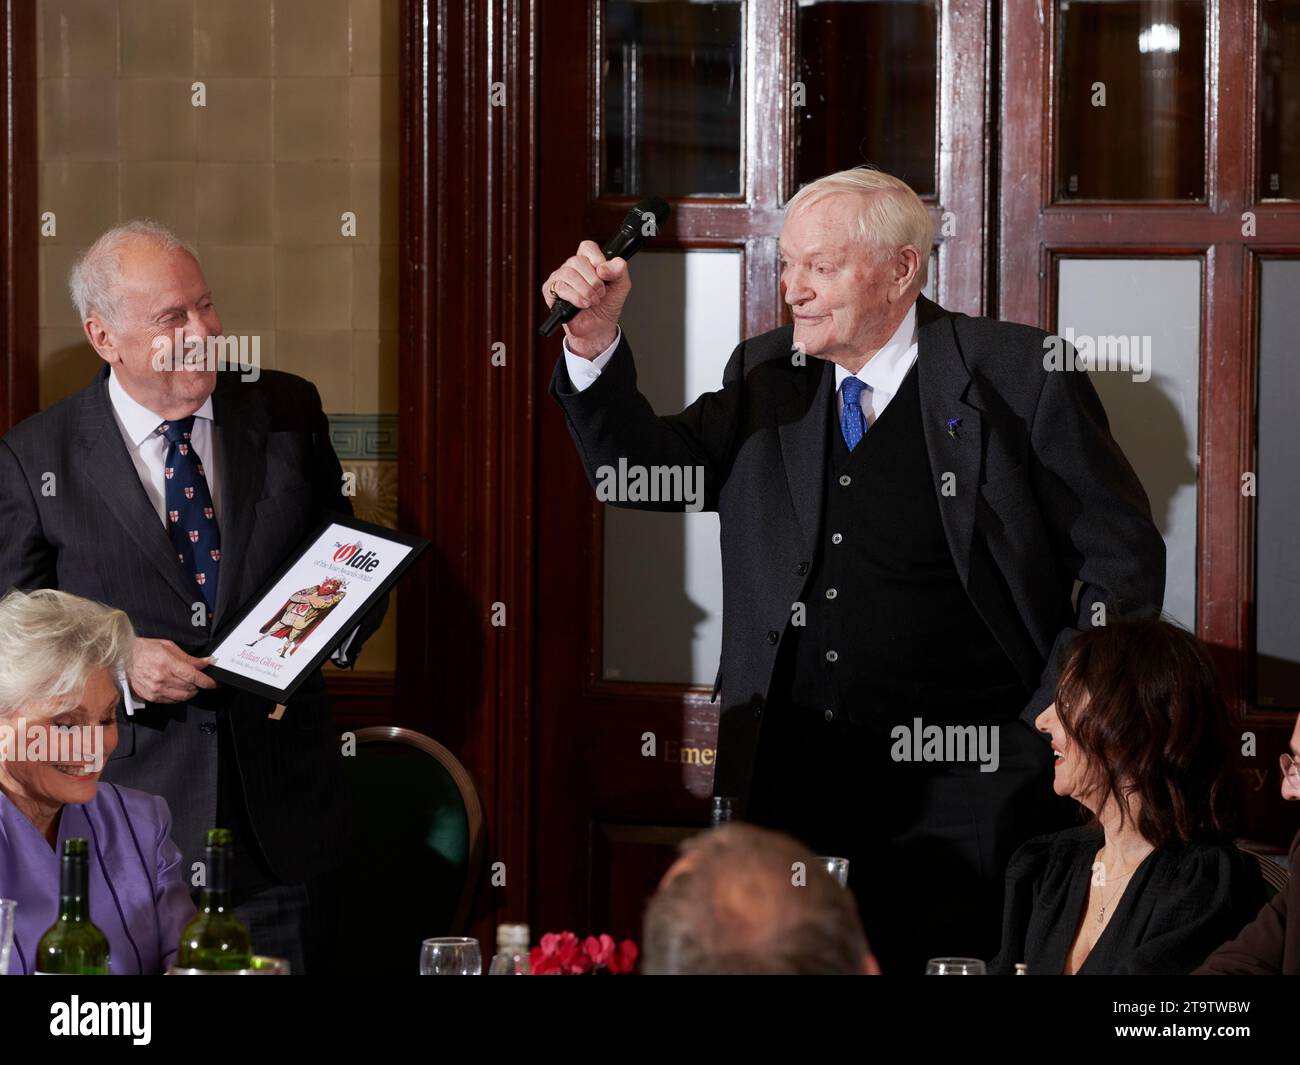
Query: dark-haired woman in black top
(1153,883)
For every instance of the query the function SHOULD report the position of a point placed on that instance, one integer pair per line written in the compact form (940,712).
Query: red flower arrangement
(564,954)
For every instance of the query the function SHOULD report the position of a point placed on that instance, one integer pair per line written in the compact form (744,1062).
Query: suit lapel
(114,476)
(946,392)
(240,428)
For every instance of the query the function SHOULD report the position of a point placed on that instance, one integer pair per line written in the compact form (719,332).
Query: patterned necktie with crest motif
(191,520)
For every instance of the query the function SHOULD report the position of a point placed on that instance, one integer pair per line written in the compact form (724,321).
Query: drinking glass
(837,867)
(954,967)
(450,956)
(7,908)
(509,965)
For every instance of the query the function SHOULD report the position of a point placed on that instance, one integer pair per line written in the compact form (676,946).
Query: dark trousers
(928,843)
(297,922)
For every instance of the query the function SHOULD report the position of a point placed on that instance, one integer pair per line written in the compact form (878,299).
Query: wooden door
(1144,137)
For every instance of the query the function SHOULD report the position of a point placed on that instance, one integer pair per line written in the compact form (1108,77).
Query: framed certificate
(311,606)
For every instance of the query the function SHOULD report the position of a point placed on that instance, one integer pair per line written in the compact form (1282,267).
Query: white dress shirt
(148,452)
(883,374)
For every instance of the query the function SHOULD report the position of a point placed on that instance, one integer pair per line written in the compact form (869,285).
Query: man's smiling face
(161,295)
(846,296)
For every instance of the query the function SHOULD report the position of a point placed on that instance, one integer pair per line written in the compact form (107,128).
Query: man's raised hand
(598,288)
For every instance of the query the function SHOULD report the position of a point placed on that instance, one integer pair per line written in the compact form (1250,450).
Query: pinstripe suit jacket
(74,516)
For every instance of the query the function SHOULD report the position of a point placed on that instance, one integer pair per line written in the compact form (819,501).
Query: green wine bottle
(73,946)
(216,939)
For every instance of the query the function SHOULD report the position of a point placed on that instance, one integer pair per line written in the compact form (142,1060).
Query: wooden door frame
(1035,233)
(19,225)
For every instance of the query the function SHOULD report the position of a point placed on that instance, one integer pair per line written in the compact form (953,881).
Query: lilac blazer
(138,897)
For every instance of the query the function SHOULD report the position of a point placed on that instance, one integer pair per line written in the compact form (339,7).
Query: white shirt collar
(887,367)
(138,420)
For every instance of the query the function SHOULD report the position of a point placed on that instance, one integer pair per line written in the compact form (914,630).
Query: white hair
(95,277)
(50,644)
(890,215)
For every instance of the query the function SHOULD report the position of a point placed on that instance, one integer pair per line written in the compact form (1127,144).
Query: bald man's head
(741,899)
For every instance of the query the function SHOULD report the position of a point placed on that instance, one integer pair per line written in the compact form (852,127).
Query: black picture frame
(258,604)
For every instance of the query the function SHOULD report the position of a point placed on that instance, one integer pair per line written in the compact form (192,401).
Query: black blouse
(1181,902)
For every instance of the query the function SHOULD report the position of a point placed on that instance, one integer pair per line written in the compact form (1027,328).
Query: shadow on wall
(1149,428)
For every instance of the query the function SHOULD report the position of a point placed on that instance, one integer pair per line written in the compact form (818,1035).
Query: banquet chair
(417,849)
(1275,875)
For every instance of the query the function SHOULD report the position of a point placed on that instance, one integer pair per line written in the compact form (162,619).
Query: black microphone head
(642,222)
(653,205)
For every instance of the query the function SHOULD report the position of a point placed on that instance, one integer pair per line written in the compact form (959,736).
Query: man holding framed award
(174,490)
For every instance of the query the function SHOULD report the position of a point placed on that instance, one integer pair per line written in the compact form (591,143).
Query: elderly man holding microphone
(907,497)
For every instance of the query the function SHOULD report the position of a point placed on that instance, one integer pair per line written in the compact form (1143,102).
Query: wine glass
(450,956)
(837,867)
(954,967)
(7,908)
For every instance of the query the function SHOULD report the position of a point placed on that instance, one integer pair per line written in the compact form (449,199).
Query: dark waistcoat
(891,633)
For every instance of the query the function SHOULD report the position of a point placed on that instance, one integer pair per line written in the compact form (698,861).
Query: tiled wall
(300,125)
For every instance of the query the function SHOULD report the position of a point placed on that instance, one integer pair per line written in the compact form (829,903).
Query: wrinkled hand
(598,287)
(162,673)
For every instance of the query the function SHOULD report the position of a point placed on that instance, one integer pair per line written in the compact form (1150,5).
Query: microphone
(650,214)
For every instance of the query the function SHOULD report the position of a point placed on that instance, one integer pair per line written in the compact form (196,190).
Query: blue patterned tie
(853,423)
(191,521)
